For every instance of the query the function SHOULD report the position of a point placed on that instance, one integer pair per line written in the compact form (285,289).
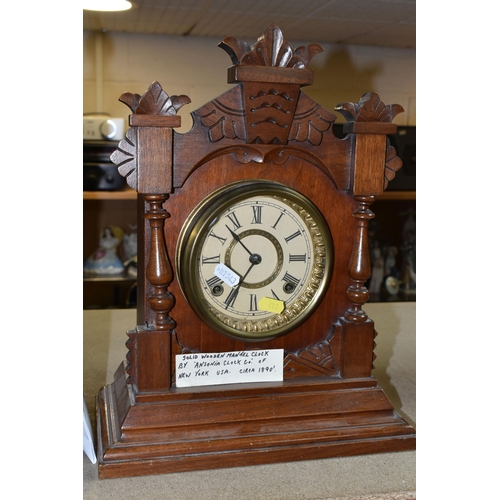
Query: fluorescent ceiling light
(107,5)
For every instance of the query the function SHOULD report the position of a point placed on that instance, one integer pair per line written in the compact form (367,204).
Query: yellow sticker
(271,305)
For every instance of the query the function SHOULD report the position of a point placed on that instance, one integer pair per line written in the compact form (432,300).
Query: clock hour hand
(234,292)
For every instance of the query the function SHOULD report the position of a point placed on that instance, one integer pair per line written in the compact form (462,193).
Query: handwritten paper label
(227,275)
(235,367)
(271,305)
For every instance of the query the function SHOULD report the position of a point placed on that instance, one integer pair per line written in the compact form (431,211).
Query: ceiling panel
(387,23)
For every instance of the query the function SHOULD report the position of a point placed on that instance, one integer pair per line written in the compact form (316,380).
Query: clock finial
(271,74)
(271,49)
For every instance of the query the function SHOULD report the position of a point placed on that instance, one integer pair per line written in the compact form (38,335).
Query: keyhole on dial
(217,290)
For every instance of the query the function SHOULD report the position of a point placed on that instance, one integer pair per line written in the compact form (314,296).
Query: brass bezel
(204,216)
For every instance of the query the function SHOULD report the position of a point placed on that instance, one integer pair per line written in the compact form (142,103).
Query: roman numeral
(276,223)
(296,258)
(274,295)
(253,302)
(220,238)
(290,279)
(210,260)
(292,236)
(214,280)
(231,297)
(257,215)
(232,217)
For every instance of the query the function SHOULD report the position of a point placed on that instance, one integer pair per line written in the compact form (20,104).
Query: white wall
(114,63)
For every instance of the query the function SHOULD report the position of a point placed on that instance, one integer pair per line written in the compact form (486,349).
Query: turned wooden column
(159,271)
(357,329)
(375,164)
(360,265)
(153,342)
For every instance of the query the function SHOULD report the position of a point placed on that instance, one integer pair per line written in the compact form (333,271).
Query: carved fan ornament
(125,155)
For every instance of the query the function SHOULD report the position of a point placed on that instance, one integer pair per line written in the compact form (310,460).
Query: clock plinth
(261,186)
(233,426)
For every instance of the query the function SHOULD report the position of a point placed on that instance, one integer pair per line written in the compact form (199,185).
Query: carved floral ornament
(370,108)
(154,102)
(271,49)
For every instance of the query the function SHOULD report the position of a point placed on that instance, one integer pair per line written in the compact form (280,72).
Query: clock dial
(254,259)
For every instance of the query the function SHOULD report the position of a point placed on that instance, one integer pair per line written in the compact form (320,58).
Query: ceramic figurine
(130,252)
(409,254)
(130,245)
(390,261)
(377,271)
(105,261)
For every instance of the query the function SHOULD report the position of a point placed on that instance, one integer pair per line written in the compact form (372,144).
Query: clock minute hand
(238,239)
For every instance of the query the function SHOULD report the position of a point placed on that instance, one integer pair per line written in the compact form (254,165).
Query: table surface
(377,476)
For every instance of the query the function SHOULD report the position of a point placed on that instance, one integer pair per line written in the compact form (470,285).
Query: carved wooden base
(232,426)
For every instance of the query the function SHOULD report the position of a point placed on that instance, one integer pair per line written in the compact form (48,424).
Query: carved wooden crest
(268,109)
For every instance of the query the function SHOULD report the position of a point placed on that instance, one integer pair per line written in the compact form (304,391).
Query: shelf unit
(125,194)
(101,209)
(393,212)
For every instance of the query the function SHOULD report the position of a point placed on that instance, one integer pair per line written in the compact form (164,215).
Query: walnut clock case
(258,201)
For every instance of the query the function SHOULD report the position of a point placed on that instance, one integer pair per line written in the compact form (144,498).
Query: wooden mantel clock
(253,239)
